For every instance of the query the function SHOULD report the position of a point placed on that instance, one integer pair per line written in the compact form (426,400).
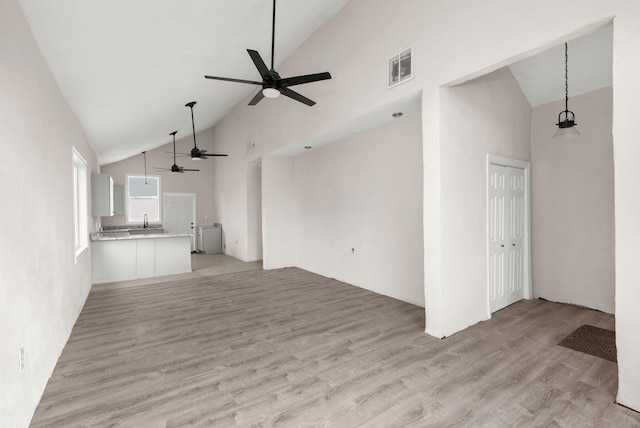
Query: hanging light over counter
(566,119)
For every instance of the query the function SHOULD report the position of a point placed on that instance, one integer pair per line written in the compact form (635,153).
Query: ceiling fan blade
(296,96)
(213,154)
(308,78)
(161,169)
(228,79)
(187,169)
(260,65)
(256,99)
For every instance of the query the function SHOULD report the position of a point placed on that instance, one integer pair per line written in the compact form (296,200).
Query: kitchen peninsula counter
(116,236)
(122,256)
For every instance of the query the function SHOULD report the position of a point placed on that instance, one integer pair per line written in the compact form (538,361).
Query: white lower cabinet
(146,257)
(113,259)
(126,259)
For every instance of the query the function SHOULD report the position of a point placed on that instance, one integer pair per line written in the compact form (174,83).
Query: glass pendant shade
(567,127)
(568,132)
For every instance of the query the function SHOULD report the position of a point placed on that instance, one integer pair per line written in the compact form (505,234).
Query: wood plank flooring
(289,348)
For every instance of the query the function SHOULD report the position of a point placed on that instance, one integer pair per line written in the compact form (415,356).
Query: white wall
(278,212)
(364,194)
(254,211)
(626,152)
(487,43)
(488,115)
(343,47)
(453,41)
(572,194)
(42,289)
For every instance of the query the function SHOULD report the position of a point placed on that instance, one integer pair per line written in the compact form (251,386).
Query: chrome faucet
(145,222)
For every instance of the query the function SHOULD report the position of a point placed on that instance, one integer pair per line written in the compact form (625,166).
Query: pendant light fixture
(567,126)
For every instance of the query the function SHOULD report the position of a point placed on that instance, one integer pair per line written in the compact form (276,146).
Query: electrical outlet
(21,356)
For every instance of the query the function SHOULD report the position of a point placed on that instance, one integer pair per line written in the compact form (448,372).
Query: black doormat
(593,341)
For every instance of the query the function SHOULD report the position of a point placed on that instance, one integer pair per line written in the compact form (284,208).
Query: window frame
(80,180)
(127,198)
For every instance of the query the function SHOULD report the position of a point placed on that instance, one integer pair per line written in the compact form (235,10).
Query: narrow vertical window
(80,208)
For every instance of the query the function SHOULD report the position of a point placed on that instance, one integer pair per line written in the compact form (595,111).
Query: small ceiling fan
(196,153)
(272,84)
(175,168)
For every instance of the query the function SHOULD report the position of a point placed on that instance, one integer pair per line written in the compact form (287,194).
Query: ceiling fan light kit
(271,92)
(272,84)
(567,126)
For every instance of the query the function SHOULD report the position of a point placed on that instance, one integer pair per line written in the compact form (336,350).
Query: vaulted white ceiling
(541,77)
(127,68)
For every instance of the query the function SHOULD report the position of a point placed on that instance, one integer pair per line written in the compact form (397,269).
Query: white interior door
(515,234)
(179,214)
(507,235)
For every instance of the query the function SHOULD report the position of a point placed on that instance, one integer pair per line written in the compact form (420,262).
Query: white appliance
(209,238)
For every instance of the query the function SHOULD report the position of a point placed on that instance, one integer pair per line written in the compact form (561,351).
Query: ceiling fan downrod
(193,126)
(273,33)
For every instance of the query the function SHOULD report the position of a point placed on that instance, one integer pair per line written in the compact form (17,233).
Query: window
(143,197)
(80,208)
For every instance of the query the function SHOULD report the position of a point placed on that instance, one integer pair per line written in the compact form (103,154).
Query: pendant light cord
(566,78)
(145,167)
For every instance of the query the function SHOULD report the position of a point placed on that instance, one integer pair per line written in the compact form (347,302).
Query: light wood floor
(289,348)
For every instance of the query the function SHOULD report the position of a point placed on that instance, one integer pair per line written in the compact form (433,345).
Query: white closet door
(515,235)
(506,202)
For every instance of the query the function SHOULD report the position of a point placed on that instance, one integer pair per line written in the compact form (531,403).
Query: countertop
(116,236)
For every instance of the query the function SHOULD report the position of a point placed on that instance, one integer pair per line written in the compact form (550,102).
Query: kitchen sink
(146,231)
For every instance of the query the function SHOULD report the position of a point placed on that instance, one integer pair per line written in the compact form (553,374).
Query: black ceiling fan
(196,153)
(272,84)
(175,168)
